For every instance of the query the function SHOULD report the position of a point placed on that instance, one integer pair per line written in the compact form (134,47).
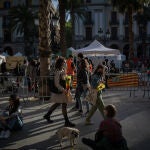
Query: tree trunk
(73,27)
(62,27)
(131,36)
(44,43)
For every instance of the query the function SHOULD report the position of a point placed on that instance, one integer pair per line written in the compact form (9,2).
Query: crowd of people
(109,134)
(140,65)
(89,77)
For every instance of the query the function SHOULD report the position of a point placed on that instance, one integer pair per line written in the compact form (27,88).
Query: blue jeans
(11,123)
(79,92)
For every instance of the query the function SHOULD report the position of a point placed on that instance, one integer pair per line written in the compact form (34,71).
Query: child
(10,119)
(109,136)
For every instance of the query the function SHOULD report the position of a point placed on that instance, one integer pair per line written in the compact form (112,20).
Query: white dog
(70,133)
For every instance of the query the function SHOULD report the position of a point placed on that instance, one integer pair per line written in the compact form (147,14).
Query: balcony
(114,22)
(89,22)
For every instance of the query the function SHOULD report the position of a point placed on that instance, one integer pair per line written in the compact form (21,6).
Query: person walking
(96,79)
(60,97)
(83,85)
(80,57)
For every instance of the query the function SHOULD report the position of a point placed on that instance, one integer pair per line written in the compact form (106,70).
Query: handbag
(69,97)
(91,96)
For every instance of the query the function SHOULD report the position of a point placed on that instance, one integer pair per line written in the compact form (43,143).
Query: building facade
(110,27)
(11,40)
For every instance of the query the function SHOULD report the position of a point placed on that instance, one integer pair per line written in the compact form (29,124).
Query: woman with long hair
(60,97)
(96,79)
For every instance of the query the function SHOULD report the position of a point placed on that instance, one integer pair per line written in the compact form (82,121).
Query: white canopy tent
(96,49)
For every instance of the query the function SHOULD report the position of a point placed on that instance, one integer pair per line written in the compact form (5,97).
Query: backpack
(51,82)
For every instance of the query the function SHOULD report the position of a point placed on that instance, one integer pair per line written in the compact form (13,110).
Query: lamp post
(100,33)
(105,37)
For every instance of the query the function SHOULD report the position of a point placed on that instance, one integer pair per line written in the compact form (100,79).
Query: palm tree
(130,7)
(22,20)
(45,14)
(75,9)
(62,21)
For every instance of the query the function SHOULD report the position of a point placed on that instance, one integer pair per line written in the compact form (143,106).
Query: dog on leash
(70,133)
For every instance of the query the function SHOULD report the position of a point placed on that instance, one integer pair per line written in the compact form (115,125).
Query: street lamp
(100,32)
(105,37)
(108,34)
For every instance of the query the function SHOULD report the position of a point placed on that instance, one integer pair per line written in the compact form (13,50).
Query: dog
(70,133)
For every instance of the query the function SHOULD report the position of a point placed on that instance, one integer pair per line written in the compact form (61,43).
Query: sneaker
(88,122)
(2,134)
(48,119)
(81,112)
(7,134)
(86,112)
(69,124)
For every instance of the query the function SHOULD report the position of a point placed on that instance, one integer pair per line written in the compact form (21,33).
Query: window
(89,15)
(6,4)
(114,33)
(7,35)
(140,30)
(113,15)
(126,18)
(6,21)
(88,33)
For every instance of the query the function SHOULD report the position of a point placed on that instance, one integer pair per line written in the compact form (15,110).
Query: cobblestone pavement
(37,134)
